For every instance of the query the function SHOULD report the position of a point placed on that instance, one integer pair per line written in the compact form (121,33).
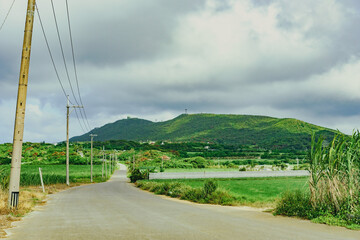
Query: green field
(53,174)
(252,191)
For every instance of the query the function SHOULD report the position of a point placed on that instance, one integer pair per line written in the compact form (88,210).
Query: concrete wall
(190,175)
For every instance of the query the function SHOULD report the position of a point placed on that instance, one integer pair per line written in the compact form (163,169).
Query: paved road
(235,174)
(117,210)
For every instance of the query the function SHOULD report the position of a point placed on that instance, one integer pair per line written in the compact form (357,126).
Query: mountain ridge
(265,131)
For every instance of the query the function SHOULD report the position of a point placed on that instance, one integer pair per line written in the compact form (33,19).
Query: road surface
(118,210)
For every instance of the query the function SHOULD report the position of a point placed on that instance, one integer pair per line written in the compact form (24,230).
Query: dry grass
(30,197)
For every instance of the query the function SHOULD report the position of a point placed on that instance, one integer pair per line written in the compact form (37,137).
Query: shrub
(5,160)
(4,178)
(136,174)
(197,162)
(195,195)
(210,186)
(221,197)
(294,203)
(207,194)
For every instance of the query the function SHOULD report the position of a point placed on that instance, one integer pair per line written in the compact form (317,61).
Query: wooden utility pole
(14,184)
(103,163)
(111,157)
(67,137)
(91,159)
(116,159)
(106,168)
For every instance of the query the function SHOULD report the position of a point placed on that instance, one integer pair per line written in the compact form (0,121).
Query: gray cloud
(153,59)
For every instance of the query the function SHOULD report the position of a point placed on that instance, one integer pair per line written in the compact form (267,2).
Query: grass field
(252,191)
(53,174)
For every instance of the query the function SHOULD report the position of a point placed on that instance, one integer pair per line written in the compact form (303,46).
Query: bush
(210,186)
(5,160)
(207,194)
(4,178)
(136,174)
(294,204)
(194,195)
(197,162)
(221,197)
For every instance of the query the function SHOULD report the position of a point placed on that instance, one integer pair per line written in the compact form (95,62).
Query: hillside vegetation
(267,132)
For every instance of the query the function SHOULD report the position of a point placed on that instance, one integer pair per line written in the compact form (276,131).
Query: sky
(153,59)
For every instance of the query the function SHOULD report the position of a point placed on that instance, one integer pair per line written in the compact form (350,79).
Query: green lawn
(253,191)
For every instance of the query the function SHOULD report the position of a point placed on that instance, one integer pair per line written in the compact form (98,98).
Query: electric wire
(63,56)
(49,50)
(3,23)
(77,116)
(53,63)
(74,61)
(62,52)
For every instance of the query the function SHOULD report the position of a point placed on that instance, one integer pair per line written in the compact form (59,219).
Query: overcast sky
(153,58)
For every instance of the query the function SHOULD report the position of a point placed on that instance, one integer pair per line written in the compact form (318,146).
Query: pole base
(14,200)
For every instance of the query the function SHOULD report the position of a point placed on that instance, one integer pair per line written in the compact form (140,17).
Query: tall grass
(334,180)
(334,184)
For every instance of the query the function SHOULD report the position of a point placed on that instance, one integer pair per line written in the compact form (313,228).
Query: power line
(63,56)
(79,121)
(12,4)
(74,62)
(62,52)
(49,50)
(54,65)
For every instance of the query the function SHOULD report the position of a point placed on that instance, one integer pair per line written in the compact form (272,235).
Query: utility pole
(14,185)
(111,163)
(103,163)
(91,159)
(106,169)
(133,161)
(67,136)
(115,158)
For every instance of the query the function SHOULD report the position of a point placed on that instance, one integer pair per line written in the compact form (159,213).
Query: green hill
(264,131)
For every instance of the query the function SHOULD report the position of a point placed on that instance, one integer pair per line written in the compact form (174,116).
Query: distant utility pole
(133,161)
(14,184)
(103,163)
(106,169)
(111,162)
(115,158)
(67,137)
(91,159)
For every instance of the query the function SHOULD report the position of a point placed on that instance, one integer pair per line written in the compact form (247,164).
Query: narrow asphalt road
(117,210)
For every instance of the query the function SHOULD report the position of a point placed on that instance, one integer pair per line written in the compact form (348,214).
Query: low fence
(255,174)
